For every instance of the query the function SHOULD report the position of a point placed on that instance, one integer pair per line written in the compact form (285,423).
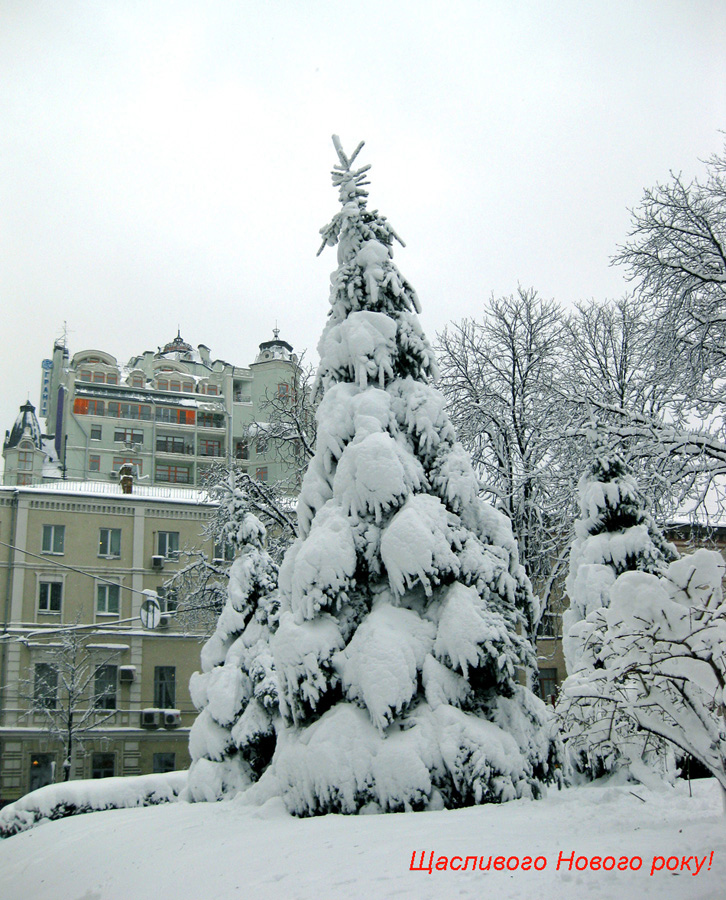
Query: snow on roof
(111,488)
(710,512)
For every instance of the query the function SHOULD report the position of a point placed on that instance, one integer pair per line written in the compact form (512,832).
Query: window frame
(45,690)
(106,590)
(49,584)
(164,687)
(107,698)
(98,758)
(113,537)
(168,473)
(25,460)
(166,551)
(54,532)
(161,766)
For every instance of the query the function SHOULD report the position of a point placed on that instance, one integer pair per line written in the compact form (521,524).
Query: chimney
(126,477)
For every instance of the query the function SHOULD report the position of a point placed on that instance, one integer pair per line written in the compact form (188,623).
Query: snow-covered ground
(221,851)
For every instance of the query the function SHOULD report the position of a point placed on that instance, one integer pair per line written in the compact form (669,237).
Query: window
(99,378)
(241,450)
(168,544)
(54,539)
(119,461)
(210,448)
(224,551)
(84,407)
(550,626)
(84,375)
(129,410)
(210,420)
(128,435)
(164,762)
(261,473)
(96,432)
(45,686)
(104,687)
(212,390)
(94,463)
(285,391)
(109,542)
(261,446)
(41,770)
(103,765)
(137,381)
(50,596)
(174,416)
(173,474)
(165,444)
(548,684)
(25,459)
(168,599)
(164,687)
(111,378)
(107,599)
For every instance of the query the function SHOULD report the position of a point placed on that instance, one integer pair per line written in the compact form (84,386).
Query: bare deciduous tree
(501,377)
(73,688)
(677,256)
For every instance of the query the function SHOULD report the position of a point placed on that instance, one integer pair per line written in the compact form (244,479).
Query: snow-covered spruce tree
(614,534)
(404,607)
(233,737)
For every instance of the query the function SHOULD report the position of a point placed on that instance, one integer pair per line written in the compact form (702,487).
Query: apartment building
(80,556)
(167,413)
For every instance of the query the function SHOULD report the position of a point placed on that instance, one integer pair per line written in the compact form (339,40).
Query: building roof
(26,420)
(113,489)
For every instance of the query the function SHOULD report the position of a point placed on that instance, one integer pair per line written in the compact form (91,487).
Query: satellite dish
(150,613)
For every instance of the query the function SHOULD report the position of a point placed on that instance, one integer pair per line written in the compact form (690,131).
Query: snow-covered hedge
(71,798)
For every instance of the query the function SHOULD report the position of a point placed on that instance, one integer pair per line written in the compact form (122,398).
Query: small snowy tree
(233,737)
(614,534)
(199,588)
(73,689)
(664,657)
(404,608)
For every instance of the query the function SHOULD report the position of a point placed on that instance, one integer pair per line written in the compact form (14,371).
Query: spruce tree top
(359,341)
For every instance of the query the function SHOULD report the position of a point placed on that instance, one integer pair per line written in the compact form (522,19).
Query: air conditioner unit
(172,718)
(127,674)
(164,621)
(157,562)
(150,718)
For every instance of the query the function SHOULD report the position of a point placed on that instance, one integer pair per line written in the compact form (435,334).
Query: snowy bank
(71,798)
(228,851)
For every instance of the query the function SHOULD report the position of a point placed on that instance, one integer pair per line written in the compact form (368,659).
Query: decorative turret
(26,420)
(178,346)
(275,349)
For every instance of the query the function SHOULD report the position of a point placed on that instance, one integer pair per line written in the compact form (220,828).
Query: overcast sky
(166,165)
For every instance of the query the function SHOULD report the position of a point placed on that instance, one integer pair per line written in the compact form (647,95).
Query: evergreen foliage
(404,609)
(614,534)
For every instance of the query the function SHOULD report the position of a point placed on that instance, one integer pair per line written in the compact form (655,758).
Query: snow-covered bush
(404,609)
(614,534)
(72,798)
(664,657)
(233,737)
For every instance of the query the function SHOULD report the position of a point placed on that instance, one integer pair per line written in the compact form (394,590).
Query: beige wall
(116,639)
